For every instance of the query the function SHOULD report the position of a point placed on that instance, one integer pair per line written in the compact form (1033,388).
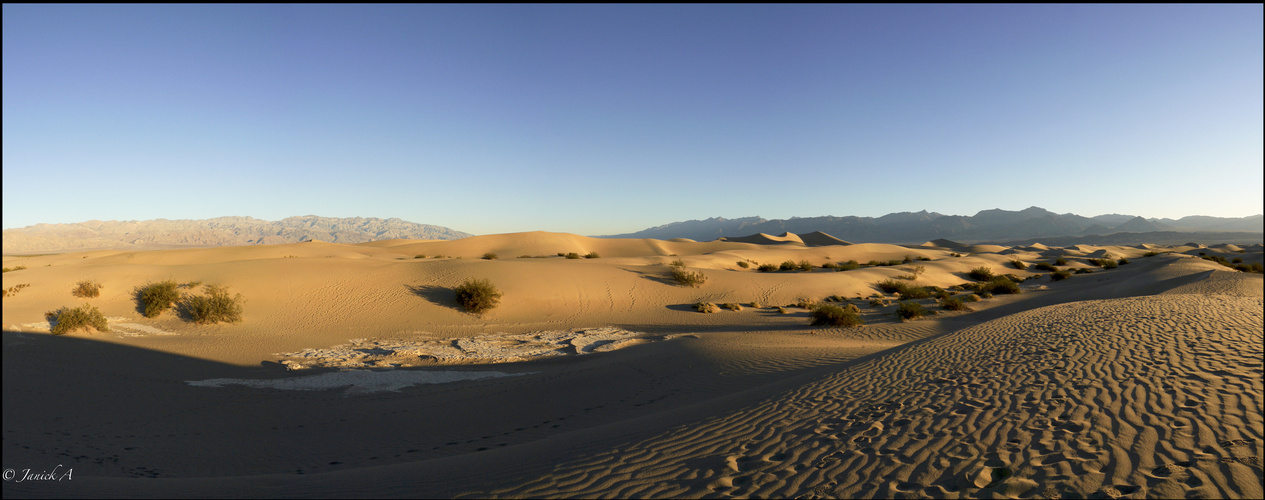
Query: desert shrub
(837,298)
(972,298)
(804,265)
(420,256)
(1081,270)
(805,303)
(832,265)
(892,262)
(691,279)
(1122,261)
(1150,254)
(915,292)
(782,310)
(13,290)
(477,295)
(157,297)
(87,289)
(953,304)
(214,307)
(732,306)
(849,265)
(890,286)
(910,310)
(592,255)
(1060,275)
(877,303)
(1254,267)
(1018,264)
(756,305)
(985,295)
(17,268)
(954,254)
(1045,266)
(1109,264)
(705,307)
(907,259)
(981,273)
(68,319)
(744,264)
(1236,260)
(873,263)
(767,268)
(788,265)
(832,315)
(1060,261)
(571,255)
(488,256)
(917,270)
(1003,285)
(1201,254)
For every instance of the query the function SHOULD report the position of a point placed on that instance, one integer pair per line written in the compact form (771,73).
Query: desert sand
(354,373)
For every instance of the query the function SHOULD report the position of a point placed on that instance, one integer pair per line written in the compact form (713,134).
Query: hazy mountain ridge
(219,231)
(916,227)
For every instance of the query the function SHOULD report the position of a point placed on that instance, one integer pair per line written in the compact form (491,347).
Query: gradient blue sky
(613,118)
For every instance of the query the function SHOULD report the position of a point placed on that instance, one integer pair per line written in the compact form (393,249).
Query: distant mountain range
(918,227)
(220,231)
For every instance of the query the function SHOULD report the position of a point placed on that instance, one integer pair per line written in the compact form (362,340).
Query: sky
(606,119)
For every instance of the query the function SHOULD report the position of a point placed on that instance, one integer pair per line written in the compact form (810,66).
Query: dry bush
(682,277)
(87,289)
(488,256)
(214,307)
(981,273)
(705,307)
(832,315)
(910,310)
(157,297)
(732,306)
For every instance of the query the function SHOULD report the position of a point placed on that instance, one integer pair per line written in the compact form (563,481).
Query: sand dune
(1141,381)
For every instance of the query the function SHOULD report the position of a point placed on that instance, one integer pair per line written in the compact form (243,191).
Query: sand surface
(354,373)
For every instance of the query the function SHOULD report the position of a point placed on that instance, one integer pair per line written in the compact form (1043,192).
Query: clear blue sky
(612,118)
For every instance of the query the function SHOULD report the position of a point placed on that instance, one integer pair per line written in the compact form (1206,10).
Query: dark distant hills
(220,231)
(986,226)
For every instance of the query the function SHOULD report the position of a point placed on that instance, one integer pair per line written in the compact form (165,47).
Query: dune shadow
(438,295)
(665,279)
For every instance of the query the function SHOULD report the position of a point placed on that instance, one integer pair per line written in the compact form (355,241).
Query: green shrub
(477,295)
(87,289)
(66,320)
(732,306)
(972,298)
(744,264)
(767,268)
(1122,261)
(788,265)
(782,310)
(420,256)
(157,297)
(910,310)
(691,279)
(1060,275)
(804,265)
(1060,261)
(915,292)
(981,273)
(1081,270)
(832,315)
(832,265)
(805,303)
(214,307)
(849,265)
(1044,266)
(953,304)
(17,268)
(592,255)
(1109,264)
(756,305)
(877,303)
(571,255)
(1003,285)
(1018,264)
(488,256)
(705,307)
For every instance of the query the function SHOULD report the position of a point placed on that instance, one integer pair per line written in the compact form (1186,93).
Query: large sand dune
(1144,380)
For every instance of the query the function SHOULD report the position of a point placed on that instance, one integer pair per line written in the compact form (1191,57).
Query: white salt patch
(356,381)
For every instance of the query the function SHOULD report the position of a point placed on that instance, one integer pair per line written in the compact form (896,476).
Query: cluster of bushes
(1018,264)
(705,307)
(13,290)
(1237,264)
(477,296)
(17,268)
(954,304)
(910,310)
(1106,262)
(686,278)
(1005,284)
(1060,275)
(981,273)
(1044,266)
(906,290)
(214,306)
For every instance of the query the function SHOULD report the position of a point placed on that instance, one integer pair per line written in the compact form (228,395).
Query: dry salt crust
(356,381)
(495,348)
(117,327)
